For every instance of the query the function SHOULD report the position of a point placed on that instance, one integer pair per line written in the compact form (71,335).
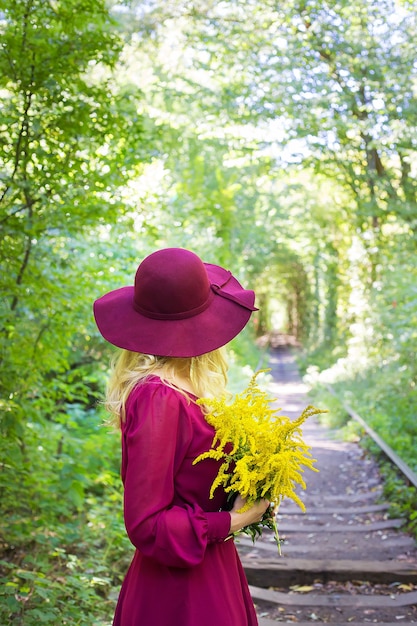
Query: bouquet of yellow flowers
(262,453)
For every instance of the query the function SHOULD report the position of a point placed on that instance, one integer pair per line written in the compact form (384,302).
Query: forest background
(278,139)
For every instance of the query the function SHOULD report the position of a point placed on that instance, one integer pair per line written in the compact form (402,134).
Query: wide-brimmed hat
(178,306)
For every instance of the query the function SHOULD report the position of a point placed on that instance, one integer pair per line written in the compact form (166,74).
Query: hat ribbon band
(229,296)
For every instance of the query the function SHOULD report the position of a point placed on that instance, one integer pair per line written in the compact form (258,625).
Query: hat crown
(171,282)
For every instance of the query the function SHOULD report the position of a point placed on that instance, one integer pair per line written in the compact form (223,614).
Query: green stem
(276,535)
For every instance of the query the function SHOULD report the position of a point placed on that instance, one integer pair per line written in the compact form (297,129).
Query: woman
(171,325)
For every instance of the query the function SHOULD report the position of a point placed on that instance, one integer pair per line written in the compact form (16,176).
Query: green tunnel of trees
(277,139)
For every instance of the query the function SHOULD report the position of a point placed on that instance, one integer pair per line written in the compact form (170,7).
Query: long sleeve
(159,522)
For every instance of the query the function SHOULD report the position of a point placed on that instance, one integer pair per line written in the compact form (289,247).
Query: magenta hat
(178,306)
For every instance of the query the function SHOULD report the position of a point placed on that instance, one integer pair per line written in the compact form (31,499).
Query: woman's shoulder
(154,402)
(154,390)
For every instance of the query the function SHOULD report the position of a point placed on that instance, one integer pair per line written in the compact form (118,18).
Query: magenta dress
(183,572)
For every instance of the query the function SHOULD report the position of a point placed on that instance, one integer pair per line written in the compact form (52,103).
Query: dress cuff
(218,526)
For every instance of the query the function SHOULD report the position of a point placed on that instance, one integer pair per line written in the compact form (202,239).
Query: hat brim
(123,326)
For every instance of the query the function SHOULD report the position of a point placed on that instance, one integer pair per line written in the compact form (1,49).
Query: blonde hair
(207,374)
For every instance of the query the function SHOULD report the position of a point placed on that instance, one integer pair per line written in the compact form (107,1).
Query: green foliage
(377,376)
(244,349)
(388,408)
(63,538)
(67,137)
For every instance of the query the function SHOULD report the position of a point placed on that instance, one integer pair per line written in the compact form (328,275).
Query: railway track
(344,561)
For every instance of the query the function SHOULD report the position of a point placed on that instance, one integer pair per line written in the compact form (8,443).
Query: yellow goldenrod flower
(263,454)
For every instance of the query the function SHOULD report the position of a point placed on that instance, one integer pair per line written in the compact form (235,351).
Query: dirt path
(344,561)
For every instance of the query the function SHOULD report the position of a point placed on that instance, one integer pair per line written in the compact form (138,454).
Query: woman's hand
(252,515)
